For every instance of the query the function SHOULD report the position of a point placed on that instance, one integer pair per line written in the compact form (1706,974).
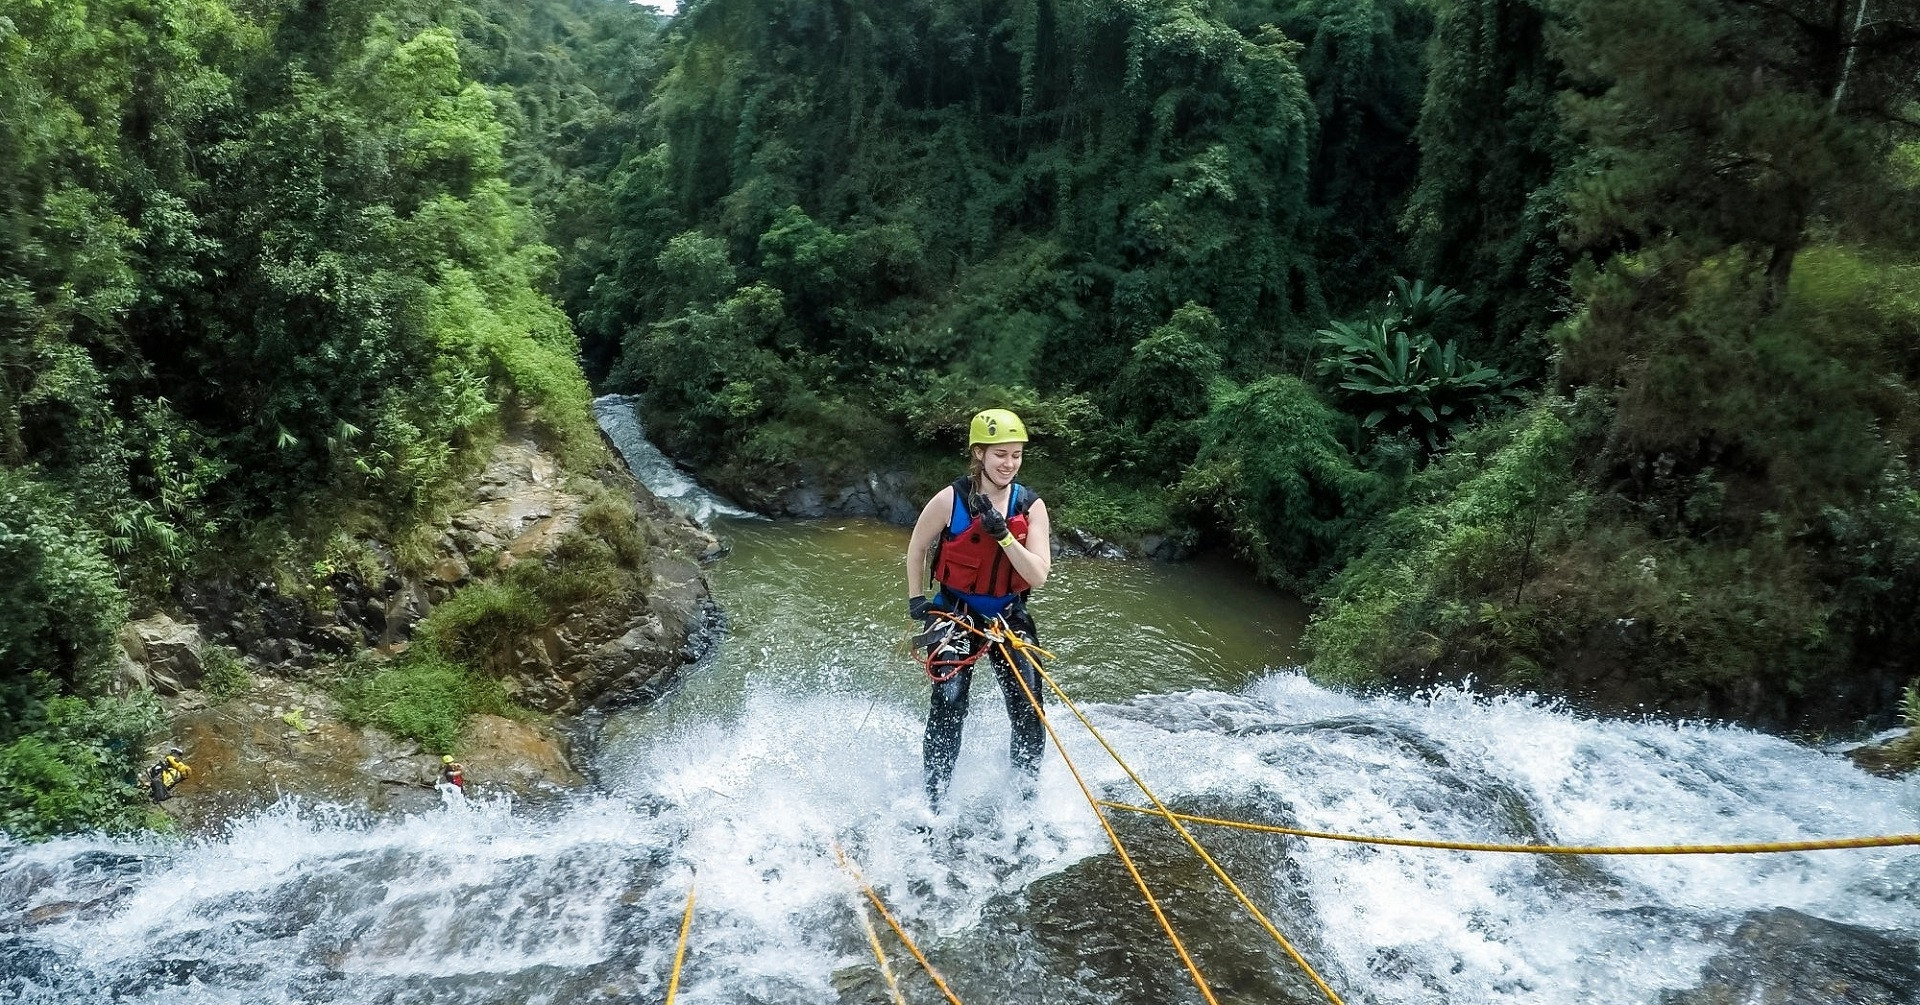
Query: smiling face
(999,462)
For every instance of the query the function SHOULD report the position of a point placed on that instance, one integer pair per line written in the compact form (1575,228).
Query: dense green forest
(1568,344)
(1563,344)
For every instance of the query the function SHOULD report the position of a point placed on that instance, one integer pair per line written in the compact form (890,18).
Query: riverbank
(548,593)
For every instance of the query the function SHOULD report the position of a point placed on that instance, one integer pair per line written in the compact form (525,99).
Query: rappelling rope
(853,871)
(680,954)
(1757,848)
(1125,859)
(879,954)
(1030,651)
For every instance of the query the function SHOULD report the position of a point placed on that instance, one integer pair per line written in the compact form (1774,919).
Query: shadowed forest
(1565,345)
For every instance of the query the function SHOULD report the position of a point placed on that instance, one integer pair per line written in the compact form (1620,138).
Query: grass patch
(423,696)
(480,624)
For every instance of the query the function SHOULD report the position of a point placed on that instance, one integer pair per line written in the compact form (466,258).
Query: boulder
(1784,957)
(502,754)
(287,739)
(1896,756)
(160,654)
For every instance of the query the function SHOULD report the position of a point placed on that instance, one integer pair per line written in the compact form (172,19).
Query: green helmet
(996,425)
(446,758)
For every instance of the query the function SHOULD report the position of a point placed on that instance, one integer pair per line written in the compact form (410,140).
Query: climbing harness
(940,671)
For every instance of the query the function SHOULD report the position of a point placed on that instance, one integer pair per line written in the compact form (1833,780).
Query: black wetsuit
(949,711)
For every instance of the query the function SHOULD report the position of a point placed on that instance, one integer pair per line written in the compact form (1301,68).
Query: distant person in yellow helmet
(453,773)
(987,540)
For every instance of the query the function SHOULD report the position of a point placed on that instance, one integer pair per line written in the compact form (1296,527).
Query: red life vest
(969,561)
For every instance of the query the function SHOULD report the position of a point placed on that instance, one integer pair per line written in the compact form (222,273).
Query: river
(801,733)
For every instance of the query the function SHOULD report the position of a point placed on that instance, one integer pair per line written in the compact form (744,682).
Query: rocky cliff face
(273,729)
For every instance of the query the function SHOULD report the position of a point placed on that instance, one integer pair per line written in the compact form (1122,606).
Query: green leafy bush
(82,769)
(1399,378)
(1275,475)
(1472,526)
(422,695)
(478,625)
(225,677)
(60,601)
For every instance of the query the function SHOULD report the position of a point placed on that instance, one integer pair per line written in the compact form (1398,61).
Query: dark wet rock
(1074,541)
(891,496)
(1784,957)
(1889,759)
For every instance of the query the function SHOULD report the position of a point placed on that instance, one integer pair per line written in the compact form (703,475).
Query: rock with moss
(542,592)
(1891,758)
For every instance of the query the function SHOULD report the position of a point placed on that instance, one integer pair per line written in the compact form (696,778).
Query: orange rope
(680,954)
(1299,959)
(1179,947)
(854,871)
(1756,848)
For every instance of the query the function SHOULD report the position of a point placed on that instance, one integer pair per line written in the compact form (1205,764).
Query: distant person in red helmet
(986,538)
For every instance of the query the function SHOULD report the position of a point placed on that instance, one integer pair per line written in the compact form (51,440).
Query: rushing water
(802,735)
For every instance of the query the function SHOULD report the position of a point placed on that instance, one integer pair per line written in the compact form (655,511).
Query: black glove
(990,519)
(918,609)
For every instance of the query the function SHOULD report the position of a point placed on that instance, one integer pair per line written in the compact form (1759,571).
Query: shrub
(1394,372)
(1275,475)
(81,770)
(423,696)
(478,624)
(60,604)
(226,676)
(1474,521)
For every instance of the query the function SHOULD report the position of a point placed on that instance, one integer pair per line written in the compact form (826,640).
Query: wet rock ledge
(244,664)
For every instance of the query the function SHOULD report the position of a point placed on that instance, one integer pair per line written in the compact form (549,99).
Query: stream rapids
(801,734)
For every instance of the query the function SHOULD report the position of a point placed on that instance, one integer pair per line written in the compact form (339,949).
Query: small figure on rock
(453,773)
(169,772)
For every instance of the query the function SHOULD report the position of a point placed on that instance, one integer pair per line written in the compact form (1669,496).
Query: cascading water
(804,733)
(619,418)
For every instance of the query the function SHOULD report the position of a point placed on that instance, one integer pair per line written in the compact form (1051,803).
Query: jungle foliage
(1639,420)
(835,213)
(263,271)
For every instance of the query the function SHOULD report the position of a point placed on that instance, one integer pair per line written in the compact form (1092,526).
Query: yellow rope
(1125,859)
(1245,901)
(873,940)
(680,954)
(925,964)
(1758,848)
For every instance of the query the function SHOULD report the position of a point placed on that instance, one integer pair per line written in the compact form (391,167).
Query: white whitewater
(487,904)
(619,417)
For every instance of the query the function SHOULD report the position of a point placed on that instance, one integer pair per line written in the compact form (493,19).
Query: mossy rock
(1897,757)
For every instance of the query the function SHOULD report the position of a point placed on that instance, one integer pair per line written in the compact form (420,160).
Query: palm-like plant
(1393,369)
